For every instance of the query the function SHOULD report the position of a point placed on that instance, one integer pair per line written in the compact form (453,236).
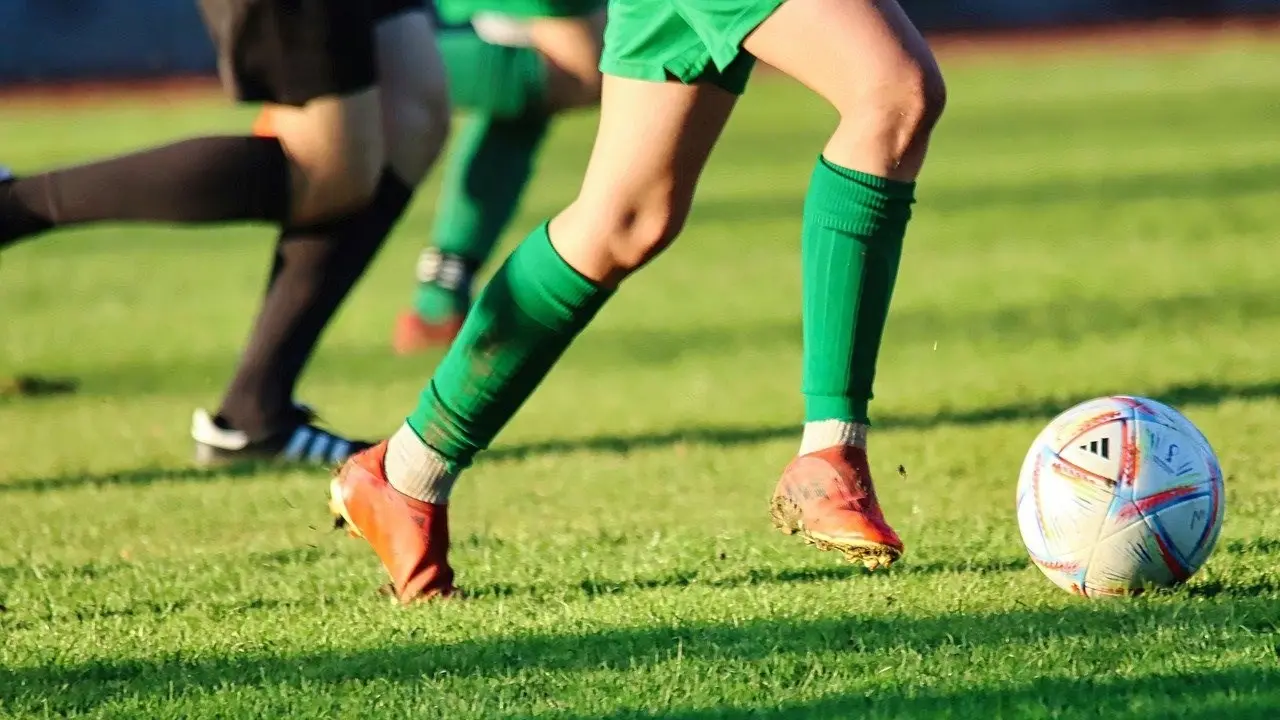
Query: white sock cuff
(831,433)
(416,470)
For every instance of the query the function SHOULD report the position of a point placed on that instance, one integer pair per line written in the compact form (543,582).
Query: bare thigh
(652,144)
(335,147)
(338,146)
(867,60)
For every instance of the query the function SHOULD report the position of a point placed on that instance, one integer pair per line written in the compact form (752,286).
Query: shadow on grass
(144,610)
(1243,586)
(35,386)
(712,577)
(1253,546)
(413,658)
(1182,395)
(78,573)
(140,476)
(1205,695)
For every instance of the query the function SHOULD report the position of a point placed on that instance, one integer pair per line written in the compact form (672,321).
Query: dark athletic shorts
(293,51)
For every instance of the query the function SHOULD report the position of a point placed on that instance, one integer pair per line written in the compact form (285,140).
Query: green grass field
(1089,224)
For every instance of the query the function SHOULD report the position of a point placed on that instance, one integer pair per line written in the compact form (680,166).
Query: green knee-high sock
(489,169)
(850,247)
(522,322)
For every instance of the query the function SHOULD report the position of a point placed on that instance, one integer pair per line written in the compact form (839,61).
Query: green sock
(490,166)
(523,320)
(850,247)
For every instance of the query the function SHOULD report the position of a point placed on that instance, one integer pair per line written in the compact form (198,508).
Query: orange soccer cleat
(828,498)
(413,334)
(411,537)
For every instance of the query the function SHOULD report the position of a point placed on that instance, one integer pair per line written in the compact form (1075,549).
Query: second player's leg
(511,75)
(323,161)
(335,148)
(570,48)
(633,201)
(865,58)
(415,99)
(317,264)
(651,146)
(340,146)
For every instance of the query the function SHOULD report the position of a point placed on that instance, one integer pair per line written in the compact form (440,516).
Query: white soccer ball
(1119,494)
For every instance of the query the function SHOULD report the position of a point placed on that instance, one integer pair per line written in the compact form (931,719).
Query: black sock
(201,180)
(315,267)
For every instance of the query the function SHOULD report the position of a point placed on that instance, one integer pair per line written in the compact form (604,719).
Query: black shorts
(293,51)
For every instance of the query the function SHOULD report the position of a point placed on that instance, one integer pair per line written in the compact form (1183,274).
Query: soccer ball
(1119,494)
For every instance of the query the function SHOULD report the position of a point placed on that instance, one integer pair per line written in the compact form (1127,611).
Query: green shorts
(459,11)
(687,40)
(496,79)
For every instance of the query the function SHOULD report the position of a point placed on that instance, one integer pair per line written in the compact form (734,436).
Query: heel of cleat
(341,520)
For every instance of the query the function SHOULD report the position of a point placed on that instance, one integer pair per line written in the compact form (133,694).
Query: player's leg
(866,59)
(489,166)
(652,143)
(207,179)
(316,265)
(325,162)
(873,66)
(511,74)
(503,88)
(315,60)
(571,46)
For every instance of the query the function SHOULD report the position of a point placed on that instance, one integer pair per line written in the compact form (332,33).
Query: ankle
(445,270)
(257,421)
(444,285)
(416,470)
(823,434)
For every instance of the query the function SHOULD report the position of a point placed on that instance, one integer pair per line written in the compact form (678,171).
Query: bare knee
(898,110)
(333,184)
(609,241)
(635,235)
(920,104)
(336,152)
(346,183)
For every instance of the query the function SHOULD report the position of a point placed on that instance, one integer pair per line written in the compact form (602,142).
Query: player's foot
(440,303)
(828,498)
(413,334)
(219,444)
(411,537)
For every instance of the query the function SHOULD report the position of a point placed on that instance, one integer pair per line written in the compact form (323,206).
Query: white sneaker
(217,444)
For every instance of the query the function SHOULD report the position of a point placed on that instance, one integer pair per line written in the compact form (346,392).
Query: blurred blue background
(102,39)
